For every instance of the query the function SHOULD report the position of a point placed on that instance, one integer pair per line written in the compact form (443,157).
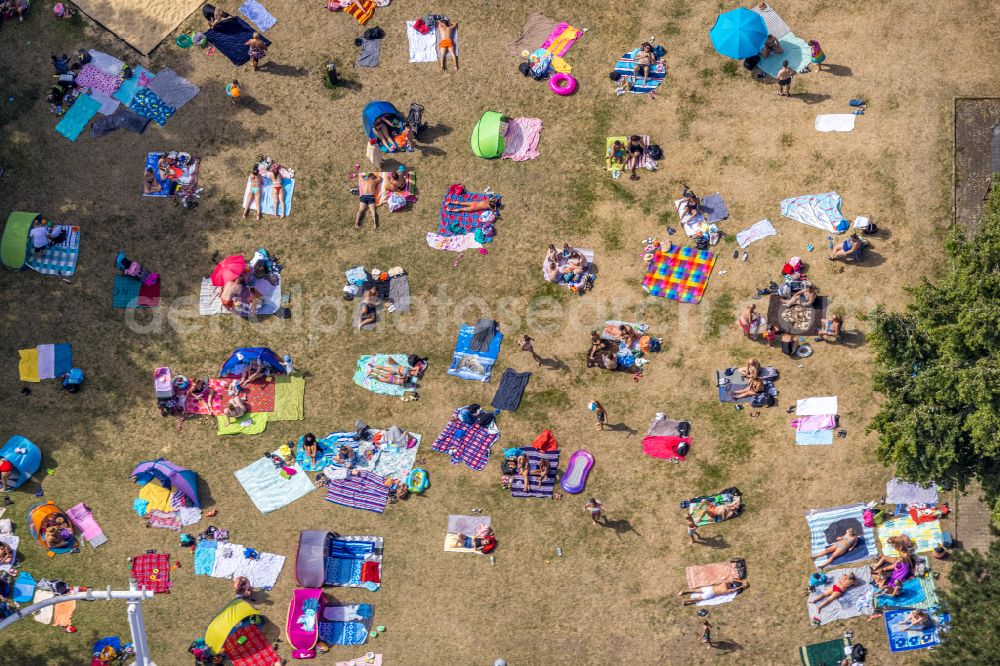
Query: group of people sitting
(568,267)
(55,531)
(243,290)
(626,156)
(520,466)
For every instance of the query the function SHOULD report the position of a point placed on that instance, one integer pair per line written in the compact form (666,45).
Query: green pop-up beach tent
(486,138)
(14,244)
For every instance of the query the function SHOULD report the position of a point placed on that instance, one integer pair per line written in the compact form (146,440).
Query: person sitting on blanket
(202,392)
(230,294)
(843,545)
(396,180)
(345,456)
(707,592)
(397,373)
(54,537)
(40,236)
(524,470)
(383,133)
(6,467)
(751,370)
(849,249)
(254,370)
(903,550)
(616,156)
(310,446)
(690,205)
(771,45)
(644,60)
(753,387)
(550,272)
(217,15)
(720,512)
(844,583)
(255,186)
(278,189)
(6,554)
(804,297)
(489,203)
(234,409)
(917,619)
(369,303)
(829,329)
(890,581)
(636,152)
(149,184)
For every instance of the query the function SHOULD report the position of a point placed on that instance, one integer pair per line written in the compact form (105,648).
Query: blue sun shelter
(25,456)
(244,355)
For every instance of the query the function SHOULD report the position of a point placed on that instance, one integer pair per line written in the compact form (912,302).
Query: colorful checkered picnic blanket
(152,572)
(468,221)
(258,395)
(58,259)
(465,443)
(254,651)
(679,273)
(365,490)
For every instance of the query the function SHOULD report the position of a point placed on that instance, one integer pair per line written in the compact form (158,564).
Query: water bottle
(559,551)
(493,561)
(287,362)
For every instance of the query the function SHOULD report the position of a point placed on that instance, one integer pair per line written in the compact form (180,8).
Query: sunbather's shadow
(279,69)
(810,98)
(718,542)
(727,647)
(620,526)
(622,427)
(255,105)
(262,598)
(839,70)
(853,339)
(553,364)
(432,133)
(430,150)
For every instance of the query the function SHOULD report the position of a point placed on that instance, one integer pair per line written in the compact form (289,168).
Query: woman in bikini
(540,473)
(235,408)
(446,30)
(490,203)
(644,60)
(394,372)
(844,583)
(254,198)
(524,470)
(383,132)
(311,447)
(256,49)
(711,591)
(201,391)
(636,151)
(753,387)
(842,546)
(6,554)
(278,190)
(691,205)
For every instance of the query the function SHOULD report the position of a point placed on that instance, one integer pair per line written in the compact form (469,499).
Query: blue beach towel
(255,11)
(351,632)
(794,50)
(474,365)
(813,437)
(73,121)
(626,65)
(204,557)
(267,195)
(821,521)
(913,639)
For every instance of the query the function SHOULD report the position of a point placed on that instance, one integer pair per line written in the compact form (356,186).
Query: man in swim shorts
(785,80)
(367,189)
(711,591)
(446,45)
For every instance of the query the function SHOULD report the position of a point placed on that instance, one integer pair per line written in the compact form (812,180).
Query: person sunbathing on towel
(836,591)
(369,303)
(804,297)
(719,512)
(902,544)
(524,470)
(6,554)
(485,543)
(753,387)
(278,190)
(711,591)
(636,152)
(644,60)
(446,43)
(230,294)
(490,203)
(890,581)
(690,205)
(310,446)
(751,370)
(541,472)
(771,45)
(252,371)
(396,180)
(917,619)
(367,199)
(255,186)
(394,372)
(383,132)
(550,272)
(843,545)
(849,249)
(234,409)
(149,184)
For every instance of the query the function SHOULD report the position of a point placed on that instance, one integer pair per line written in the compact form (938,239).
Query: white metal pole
(137,625)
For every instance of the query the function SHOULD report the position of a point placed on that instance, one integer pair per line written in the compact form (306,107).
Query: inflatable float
(302,627)
(575,478)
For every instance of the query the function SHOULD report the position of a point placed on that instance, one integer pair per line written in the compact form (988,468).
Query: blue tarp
(230,37)
(469,364)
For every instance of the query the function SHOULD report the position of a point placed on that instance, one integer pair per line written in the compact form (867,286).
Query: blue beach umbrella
(738,34)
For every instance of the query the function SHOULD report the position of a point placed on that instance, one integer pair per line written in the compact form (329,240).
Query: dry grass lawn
(610,598)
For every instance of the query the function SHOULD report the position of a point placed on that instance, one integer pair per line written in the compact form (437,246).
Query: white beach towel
(835,122)
(423,48)
(816,406)
(759,230)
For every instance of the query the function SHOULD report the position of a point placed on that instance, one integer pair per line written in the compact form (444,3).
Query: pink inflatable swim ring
(562,83)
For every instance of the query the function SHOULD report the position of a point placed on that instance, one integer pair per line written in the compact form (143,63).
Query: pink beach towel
(521,141)
(83,520)
(91,77)
(814,423)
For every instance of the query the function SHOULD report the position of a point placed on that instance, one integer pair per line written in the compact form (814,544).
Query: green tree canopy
(939,369)
(974,635)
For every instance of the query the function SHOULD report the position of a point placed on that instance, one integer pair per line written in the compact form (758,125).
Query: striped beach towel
(679,273)
(548,484)
(775,24)
(626,67)
(469,444)
(59,259)
(44,362)
(825,525)
(362,491)
(362,15)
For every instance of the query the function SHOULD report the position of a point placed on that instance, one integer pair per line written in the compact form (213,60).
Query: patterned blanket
(59,259)
(679,273)
(364,490)
(149,105)
(547,485)
(469,444)
(454,223)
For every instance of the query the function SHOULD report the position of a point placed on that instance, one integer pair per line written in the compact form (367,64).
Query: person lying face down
(711,591)
(844,583)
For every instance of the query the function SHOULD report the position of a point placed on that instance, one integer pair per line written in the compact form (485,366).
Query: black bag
(484,419)
(655,152)
(374,33)
(615,76)
(524,68)
(682,448)
(684,428)
(762,400)
(701,242)
(751,62)
(859,653)
(508,466)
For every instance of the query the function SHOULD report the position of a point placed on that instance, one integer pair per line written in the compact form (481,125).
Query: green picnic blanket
(289,396)
(827,653)
(255,424)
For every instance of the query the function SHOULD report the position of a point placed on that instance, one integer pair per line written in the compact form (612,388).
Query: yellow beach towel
(157,496)
(27,366)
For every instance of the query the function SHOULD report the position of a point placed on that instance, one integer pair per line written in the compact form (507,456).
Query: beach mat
(142,24)
(123,118)
(230,36)
(698,508)
(458,524)
(364,14)
(835,122)
(775,24)
(362,379)
(247,646)
(711,574)
(76,118)
(289,398)
(904,640)
(248,424)
(510,390)
(255,12)
(825,525)
(465,443)
(827,653)
(268,490)
(856,600)
(532,34)
(898,491)
(148,104)
(454,223)
(126,91)
(521,140)
(366,491)
(423,48)
(626,65)
(547,486)
(648,162)
(267,196)
(679,273)
(172,88)
(756,232)
(795,50)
